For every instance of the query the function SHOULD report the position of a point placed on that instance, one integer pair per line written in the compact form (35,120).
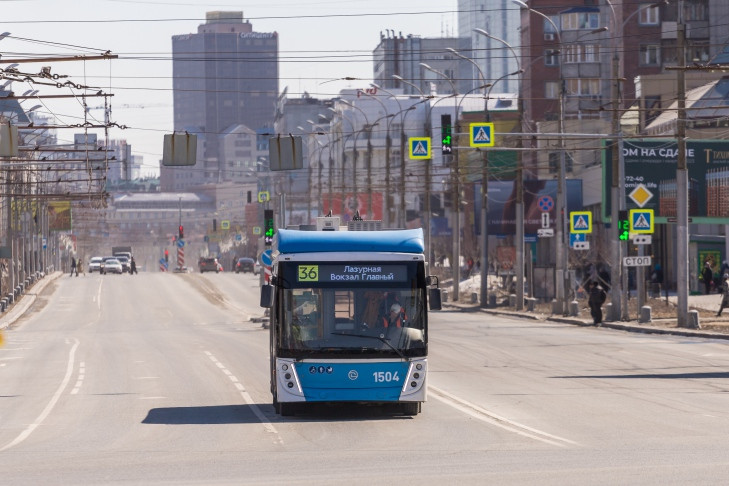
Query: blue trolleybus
(348,318)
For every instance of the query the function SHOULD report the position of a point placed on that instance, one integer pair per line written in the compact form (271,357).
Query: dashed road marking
(248,399)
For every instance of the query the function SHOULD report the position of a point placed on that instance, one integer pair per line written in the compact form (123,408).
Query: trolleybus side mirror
(267,296)
(434,299)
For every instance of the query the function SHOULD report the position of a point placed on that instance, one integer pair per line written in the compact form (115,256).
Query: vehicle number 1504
(385,376)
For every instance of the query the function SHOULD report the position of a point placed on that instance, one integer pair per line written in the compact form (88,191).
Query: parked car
(112,265)
(256,268)
(245,265)
(208,265)
(95,264)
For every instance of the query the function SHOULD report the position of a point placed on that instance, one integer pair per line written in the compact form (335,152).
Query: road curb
(628,327)
(26,300)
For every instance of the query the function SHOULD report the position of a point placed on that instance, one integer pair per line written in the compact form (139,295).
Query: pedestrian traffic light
(268,227)
(182,232)
(446,133)
(623,225)
(167,256)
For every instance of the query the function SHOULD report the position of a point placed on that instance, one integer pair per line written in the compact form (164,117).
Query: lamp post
(428,181)
(368,162)
(561,260)
(343,141)
(518,182)
(388,142)
(456,190)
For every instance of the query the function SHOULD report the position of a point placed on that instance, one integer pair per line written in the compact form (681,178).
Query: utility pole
(682,279)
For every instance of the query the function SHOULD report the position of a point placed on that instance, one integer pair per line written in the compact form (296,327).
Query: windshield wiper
(380,337)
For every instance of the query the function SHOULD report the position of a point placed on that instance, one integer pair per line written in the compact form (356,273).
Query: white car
(95,264)
(112,265)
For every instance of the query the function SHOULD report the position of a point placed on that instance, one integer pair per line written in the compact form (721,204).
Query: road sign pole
(640,284)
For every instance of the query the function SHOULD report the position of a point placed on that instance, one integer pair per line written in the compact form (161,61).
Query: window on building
(695,10)
(551,90)
(548,27)
(554,158)
(583,86)
(650,55)
(580,20)
(551,57)
(648,15)
(578,53)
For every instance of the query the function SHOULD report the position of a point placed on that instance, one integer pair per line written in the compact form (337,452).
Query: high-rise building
(401,55)
(500,19)
(225,75)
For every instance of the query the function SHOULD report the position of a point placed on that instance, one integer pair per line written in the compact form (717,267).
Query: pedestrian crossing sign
(482,135)
(580,222)
(419,147)
(641,221)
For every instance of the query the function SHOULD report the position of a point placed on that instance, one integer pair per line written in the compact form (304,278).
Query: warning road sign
(641,221)
(419,147)
(482,135)
(580,222)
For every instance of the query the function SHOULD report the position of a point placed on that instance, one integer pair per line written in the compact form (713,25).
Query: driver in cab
(396,317)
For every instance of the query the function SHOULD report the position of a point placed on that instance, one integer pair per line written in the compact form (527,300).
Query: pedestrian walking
(724,294)
(707,275)
(132,267)
(595,300)
(74,269)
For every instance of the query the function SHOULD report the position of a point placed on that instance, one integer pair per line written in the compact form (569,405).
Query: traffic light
(623,225)
(446,133)
(182,232)
(268,227)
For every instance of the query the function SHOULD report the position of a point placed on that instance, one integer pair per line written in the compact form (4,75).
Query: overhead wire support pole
(561,257)
(455,173)
(682,195)
(519,183)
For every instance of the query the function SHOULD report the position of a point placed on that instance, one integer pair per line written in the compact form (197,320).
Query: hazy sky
(318,41)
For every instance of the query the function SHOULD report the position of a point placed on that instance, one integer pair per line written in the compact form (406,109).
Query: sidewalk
(27,299)
(711,327)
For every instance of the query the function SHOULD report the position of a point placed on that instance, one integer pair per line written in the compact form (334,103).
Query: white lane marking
(46,411)
(11,357)
(248,399)
(80,381)
(98,295)
(491,418)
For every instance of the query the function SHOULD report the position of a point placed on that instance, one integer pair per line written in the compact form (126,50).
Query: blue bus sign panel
(580,222)
(419,147)
(481,135)
(641,221)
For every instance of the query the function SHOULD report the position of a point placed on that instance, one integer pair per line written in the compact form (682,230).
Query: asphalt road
(163,379)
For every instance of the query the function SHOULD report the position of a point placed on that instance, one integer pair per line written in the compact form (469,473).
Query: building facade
(225,75)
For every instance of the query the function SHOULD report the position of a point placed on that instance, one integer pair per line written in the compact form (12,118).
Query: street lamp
(561,260)
(519,183)
(368,162)
(455,264)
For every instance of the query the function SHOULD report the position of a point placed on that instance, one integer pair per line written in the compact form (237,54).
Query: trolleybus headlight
(414,384)
(419,366)
(290,384)
(287,376)
(284,367)
(416,375)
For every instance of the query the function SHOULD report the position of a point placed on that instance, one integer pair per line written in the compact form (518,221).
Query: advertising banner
(59,215)
(540,196)
(650,178)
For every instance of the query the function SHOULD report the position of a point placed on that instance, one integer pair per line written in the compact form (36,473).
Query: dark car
(245,265)
(208,265)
